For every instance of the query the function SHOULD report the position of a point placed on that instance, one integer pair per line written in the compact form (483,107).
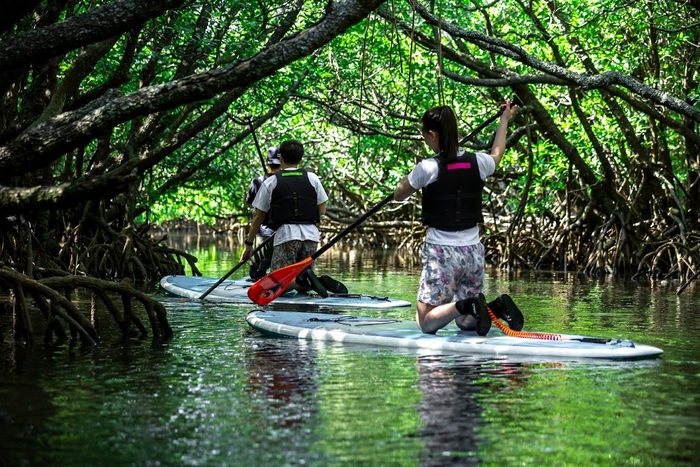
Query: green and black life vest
(453,201)
(294,199)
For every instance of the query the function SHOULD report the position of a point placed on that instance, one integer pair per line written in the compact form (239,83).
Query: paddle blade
(272,286)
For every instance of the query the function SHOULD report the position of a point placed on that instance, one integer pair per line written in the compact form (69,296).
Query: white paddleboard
(406,335)
(236,292)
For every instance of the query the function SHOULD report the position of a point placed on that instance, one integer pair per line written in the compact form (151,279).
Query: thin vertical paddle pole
(267,240)
(257,146)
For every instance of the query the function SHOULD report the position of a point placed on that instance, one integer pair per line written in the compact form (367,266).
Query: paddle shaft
(352,226)
(480,127)
(237,266)
(257,146)
(241,263)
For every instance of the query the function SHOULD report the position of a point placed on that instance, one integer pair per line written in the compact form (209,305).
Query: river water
(220,394)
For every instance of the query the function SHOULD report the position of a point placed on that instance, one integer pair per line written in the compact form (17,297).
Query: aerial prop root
(61,306)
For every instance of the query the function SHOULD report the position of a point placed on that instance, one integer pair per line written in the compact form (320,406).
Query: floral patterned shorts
(450,273)
(291,252)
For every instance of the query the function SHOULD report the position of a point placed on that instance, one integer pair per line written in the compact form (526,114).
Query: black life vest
(453,201)
(293,200)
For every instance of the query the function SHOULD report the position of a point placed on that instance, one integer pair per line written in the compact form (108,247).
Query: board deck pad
(406,335)
(236,292)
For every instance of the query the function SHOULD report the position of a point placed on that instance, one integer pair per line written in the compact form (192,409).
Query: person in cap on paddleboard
(452,279)
(295,201)
(262,260)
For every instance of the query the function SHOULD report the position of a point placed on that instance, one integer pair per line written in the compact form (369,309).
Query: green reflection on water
(356,384)
(571,416)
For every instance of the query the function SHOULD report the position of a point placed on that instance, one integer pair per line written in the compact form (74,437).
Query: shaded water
(221,394)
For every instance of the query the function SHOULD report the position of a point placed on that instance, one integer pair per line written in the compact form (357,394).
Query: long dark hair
(443,121)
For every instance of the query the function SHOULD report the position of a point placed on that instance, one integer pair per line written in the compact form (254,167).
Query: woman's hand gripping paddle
(274,284)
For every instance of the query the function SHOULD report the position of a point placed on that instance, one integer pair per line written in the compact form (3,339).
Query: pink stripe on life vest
(459,165)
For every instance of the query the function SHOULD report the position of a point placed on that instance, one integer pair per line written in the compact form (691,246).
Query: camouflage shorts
(450,273)
(264,252)
(292,252)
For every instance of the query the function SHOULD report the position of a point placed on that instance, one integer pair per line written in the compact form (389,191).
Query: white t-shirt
(255,184)
(287,232)
(425,173)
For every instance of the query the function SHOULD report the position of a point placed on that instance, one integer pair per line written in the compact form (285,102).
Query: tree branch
(47,141)
(99,24)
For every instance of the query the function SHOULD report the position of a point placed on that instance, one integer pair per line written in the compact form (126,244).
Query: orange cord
(513,333)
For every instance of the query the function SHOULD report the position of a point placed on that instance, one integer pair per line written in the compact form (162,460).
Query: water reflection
(222,394)
(284,377)
(449,412)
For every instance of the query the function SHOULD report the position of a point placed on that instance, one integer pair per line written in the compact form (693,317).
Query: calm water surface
(221,394)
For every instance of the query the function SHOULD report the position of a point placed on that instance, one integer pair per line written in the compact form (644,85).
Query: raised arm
(499,142)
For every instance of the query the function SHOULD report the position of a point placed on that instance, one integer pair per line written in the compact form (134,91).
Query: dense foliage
(119,114)
(603,168)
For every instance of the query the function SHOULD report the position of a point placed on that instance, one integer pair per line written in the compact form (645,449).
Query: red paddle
(274,284)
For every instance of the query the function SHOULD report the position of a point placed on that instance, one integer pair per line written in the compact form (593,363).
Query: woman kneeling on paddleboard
(453,255)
